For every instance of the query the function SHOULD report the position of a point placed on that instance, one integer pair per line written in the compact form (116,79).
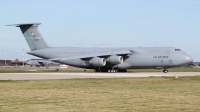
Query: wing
(91,55)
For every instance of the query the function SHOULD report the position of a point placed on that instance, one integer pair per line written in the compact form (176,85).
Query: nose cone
(188,59)
(183,59)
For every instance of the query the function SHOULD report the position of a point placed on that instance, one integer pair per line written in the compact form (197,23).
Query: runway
(43,76)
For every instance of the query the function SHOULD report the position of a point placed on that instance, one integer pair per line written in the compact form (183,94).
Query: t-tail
(32,35)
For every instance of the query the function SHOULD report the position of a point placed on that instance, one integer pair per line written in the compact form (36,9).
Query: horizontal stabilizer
(24,24)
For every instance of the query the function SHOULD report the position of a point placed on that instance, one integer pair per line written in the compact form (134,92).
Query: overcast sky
(102,23)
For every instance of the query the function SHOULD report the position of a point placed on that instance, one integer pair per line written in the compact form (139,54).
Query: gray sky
(102,23)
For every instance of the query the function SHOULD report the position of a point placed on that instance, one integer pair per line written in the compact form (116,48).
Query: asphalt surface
(43,76)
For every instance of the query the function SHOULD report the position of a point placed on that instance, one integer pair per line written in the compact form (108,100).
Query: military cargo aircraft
(104,59)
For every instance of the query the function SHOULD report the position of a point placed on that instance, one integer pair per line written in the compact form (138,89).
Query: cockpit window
(177,49)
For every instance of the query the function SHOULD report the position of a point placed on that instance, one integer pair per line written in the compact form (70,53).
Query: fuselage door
(166,62)
(170,62)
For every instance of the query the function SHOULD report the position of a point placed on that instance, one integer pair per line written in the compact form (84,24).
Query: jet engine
(97,62)
(114,59)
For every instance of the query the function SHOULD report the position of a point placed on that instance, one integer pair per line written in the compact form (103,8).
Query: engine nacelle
(97,62)
(114,59)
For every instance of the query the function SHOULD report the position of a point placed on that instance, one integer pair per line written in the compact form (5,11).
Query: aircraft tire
(106,70)
(165,70)
(121,70)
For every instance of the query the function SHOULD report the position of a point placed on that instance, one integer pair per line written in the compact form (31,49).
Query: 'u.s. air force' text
(160,56)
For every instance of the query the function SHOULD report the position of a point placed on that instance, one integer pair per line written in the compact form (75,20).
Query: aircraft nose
(188,59)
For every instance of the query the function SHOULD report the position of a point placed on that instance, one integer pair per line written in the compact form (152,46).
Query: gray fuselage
(141,57)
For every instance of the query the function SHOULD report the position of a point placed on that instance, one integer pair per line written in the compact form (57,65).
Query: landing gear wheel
(165,70)
(113,71)
(95,70)
(121,70)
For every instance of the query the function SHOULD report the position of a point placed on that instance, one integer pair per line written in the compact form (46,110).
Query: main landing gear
(110,70)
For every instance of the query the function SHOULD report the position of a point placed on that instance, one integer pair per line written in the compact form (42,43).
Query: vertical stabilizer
(32,35)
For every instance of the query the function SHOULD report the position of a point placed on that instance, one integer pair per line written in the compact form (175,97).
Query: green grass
(107,95)
(91,71)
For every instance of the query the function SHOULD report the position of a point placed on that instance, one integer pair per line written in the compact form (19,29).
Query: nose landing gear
(165,70)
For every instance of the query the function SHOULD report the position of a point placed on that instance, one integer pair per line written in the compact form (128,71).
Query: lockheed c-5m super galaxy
(104,59)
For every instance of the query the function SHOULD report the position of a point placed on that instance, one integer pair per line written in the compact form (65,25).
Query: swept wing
(91,55)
